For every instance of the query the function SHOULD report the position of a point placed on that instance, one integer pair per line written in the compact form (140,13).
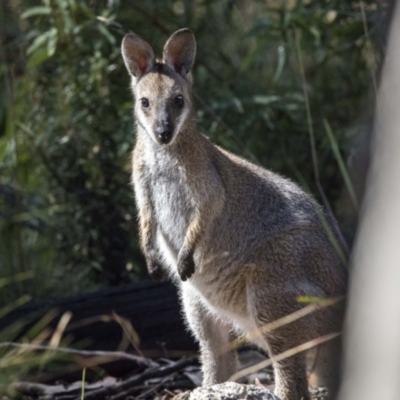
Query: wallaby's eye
(145,102)
(179,101)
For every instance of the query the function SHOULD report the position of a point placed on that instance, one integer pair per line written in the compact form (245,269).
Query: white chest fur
(171,201)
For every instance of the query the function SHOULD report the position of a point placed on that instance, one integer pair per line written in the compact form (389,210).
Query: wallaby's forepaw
(186,267)
(156,271)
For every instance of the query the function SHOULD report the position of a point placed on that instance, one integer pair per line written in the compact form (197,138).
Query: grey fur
(241,242)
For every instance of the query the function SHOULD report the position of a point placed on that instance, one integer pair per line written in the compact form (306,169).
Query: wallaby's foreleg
(200,222)
(218,364)
(186,266)
(147,235)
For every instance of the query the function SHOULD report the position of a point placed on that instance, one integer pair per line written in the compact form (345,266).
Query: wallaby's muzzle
(164,132)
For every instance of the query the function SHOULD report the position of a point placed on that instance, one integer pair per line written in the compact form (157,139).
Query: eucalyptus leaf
(35,11)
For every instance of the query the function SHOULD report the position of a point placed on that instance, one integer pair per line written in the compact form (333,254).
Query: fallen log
(152,308)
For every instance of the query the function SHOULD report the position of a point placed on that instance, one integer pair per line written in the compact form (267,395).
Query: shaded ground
(153,379)
(156,357)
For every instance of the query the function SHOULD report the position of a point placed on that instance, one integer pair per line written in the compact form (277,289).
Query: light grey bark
(372,334)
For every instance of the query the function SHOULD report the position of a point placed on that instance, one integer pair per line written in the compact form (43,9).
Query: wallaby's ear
(180,51)
(138,55)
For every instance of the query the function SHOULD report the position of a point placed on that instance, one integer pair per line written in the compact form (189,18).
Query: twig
(285,354)
(135,380)
(105,356)
(186,384)
(287,319)
(39,389)
(132,391)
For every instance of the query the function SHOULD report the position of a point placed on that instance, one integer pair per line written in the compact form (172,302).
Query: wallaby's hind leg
(326,366)
(290,374)
(214,335)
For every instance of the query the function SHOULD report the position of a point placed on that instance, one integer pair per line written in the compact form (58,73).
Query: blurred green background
(67,214)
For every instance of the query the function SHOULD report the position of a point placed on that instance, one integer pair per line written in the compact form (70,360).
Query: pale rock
(228,391)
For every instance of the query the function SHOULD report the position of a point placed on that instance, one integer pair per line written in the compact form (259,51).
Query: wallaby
(241,242)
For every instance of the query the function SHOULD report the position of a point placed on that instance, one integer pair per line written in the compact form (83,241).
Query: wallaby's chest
(171,198)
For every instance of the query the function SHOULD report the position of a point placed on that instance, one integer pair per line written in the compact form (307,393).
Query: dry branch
(157,372)
(39,390)
(140,385)
(101,356)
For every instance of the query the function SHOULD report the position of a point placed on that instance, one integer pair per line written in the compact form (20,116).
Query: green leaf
(281,62)
(265,100)
(106,33)
(39,10)
(39,53)
(238,104)
(38,42)
(317,34)
(37,58)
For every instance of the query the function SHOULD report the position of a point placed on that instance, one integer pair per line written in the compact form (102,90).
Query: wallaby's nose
(164,133)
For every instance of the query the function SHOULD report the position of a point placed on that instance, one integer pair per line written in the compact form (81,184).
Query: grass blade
(341,163)
(83,384)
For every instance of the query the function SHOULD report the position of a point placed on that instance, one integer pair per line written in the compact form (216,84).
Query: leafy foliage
(66,205)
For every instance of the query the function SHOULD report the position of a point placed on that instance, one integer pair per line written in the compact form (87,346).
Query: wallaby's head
(162,88)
